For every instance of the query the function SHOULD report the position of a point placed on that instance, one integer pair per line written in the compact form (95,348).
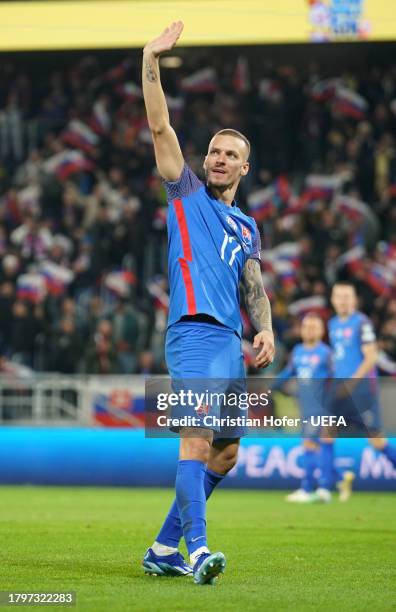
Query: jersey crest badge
(246,235)
(202,410)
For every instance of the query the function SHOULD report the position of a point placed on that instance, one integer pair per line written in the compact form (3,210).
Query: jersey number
(227,240)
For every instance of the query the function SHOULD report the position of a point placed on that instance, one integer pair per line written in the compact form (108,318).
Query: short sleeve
(256,245)
(187,183)
(367,333)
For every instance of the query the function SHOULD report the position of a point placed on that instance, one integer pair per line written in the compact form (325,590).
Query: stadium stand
(82,210)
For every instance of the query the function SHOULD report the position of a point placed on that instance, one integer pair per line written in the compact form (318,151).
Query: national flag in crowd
(286,273)
(241,79)
(315,303)
(352,259)
(31,287)
(156,289)
(350,103)
(283,189)
(201,81)
(289,251)
(68,162)
(100,120)
(119,282)
(381,279)
(325,89)
(57,278)
(79,135)
(321,186)
(282,262)
(344,100)
(130,91)
(352,208)
(261,203)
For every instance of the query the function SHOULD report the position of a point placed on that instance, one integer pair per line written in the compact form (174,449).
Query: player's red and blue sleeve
(187,183)
(256,245)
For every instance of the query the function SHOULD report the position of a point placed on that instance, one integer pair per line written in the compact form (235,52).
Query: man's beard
(223,187)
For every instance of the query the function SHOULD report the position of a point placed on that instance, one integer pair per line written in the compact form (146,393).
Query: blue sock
(172,531)
(310,461)
(191,501)
(326,463)
(390,453)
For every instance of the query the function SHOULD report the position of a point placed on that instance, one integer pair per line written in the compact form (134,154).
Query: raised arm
(168,155)
(259,311)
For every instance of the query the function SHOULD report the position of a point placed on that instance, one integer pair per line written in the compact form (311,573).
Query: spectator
(101,355)
(67,347)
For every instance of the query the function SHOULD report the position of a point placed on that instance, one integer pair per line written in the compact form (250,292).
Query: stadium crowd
(83,213)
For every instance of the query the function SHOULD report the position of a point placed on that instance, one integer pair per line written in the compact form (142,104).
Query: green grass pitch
(279,556)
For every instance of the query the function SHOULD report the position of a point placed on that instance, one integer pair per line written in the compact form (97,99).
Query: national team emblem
(231,223)
(348,332)
(315,360)
(202,410)
(246,235)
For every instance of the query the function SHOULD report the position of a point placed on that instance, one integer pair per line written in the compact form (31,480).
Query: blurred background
(83,271)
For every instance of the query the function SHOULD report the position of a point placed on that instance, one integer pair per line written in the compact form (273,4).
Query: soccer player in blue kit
(353,343)
(212,245)
(310,363)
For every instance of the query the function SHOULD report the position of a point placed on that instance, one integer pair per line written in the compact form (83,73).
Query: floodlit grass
(279,556)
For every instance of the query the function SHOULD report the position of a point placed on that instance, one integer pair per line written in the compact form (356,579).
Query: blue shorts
(206,357)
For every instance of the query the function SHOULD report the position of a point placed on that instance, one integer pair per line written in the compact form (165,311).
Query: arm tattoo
(257,302)
(151,75)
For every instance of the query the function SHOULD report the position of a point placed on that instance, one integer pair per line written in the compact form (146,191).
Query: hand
(266,356)
(165,41)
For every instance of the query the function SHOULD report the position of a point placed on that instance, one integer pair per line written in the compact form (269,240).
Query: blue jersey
(347,338)
(312,366)
(308,362)
(208,246)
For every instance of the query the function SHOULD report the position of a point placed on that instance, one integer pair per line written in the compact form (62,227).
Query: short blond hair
(236,134)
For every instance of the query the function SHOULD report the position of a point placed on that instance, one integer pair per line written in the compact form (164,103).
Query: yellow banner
(122,23)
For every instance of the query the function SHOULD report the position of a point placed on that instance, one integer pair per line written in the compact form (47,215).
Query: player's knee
(195,449)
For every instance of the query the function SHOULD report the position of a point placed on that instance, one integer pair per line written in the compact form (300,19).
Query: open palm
(167,40)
